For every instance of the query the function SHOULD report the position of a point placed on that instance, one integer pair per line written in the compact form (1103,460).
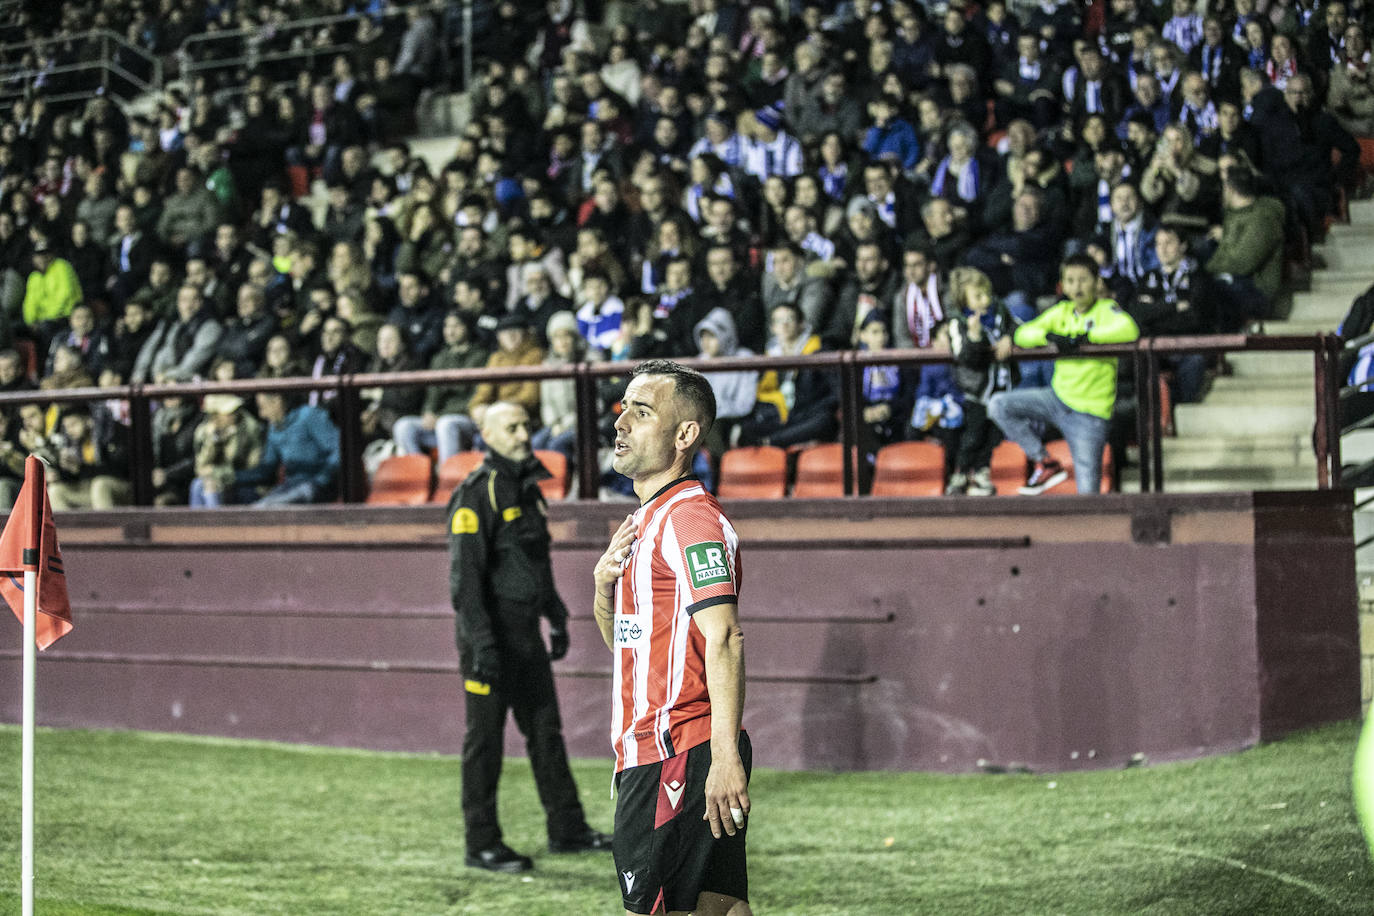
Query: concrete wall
(1050,633)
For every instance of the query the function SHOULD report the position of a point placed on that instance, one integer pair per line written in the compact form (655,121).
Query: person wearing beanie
(770,150)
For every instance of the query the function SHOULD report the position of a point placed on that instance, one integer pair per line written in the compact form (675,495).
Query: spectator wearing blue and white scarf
(958,174)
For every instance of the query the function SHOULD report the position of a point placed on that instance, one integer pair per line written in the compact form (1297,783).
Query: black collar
(667,487)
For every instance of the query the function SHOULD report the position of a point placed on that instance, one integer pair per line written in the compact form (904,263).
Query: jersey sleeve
(701,548)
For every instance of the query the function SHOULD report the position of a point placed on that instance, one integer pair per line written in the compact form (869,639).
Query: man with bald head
(501,581)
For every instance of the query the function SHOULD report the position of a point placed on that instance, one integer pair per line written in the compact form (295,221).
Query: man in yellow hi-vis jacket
(1082,391)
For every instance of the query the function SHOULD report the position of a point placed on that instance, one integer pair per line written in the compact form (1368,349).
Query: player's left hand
(726,788)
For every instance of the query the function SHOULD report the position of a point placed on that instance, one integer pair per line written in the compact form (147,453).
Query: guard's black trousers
(526,689)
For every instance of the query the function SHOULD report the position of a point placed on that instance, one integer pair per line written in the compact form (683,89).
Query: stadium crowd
(708,178)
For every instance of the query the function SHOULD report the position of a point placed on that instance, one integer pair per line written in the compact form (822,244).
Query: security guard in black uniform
(502,584)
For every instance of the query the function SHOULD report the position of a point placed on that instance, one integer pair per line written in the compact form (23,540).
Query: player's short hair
(690,386)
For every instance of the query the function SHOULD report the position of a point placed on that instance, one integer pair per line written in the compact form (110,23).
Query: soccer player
(666,593)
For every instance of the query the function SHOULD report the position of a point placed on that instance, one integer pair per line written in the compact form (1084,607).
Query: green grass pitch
(132,823)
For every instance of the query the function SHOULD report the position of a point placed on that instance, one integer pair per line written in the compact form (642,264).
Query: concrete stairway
(1253,429)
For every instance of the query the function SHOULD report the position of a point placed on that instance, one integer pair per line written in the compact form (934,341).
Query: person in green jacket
(1247,265)
(1082,390)
(53,289)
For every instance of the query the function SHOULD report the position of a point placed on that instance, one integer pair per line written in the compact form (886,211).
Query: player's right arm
(608,570)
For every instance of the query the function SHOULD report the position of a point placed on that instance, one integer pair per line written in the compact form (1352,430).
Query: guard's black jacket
(500,576)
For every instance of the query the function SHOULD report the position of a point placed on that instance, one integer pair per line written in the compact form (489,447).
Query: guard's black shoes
(589,841)
(499,858)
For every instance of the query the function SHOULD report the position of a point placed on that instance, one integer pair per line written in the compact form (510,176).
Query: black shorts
(665,855)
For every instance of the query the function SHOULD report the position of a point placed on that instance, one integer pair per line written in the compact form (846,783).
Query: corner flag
(28,547)
(29,542)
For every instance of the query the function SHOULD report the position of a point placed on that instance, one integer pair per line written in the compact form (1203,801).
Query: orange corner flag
(29,541)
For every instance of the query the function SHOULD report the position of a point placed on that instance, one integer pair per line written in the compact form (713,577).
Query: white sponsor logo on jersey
(630,631)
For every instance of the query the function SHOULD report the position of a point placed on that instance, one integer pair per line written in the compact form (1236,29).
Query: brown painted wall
(935,634)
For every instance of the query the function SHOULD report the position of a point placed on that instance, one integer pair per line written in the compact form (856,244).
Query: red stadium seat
(759,472)
(556,463)
(402,480)
(1366,154)
(820,472)
(453,472)
(1008,468)
(910,469)
(25,348)
(1166,405)
(299,178)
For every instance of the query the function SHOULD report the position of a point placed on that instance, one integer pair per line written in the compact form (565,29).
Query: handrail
(104,64)
(252,38)
(290,25)
(262,33)
(848,364)
(76,36)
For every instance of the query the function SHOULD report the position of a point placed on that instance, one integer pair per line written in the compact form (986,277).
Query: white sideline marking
(1315,890)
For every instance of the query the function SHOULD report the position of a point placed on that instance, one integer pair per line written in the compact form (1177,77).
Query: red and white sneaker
(1047,473)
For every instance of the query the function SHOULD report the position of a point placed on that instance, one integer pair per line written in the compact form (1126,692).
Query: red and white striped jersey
(685,557)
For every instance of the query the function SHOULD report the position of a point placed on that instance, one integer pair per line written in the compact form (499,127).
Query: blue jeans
(292,493)
(239,494)
(1024,414)
(452,432)
(565,442)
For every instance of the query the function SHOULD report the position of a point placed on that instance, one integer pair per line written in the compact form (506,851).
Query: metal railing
(195,60)
(849,365)
(17,81)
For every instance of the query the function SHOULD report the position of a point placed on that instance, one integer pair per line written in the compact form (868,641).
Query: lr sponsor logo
(707,563)
(629,877)
(674,792)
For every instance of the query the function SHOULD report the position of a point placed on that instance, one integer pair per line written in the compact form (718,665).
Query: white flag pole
(30,668)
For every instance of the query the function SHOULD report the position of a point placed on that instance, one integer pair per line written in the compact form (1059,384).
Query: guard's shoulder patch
(464,521)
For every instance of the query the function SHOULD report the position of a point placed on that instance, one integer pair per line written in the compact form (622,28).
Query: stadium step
(1351,282)
(1350,255)
(1301,326)
(1257,417)
(1238,480)
(1259,364)
(1223,453)
(1362,212)
(1273,389)
(1364,528)
(1328,306)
